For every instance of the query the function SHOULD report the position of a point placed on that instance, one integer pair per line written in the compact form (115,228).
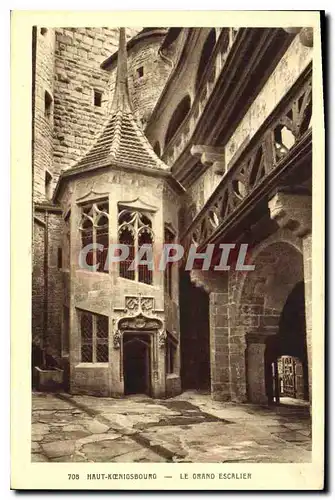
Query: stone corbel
(209,156)
(305,35)
(292,211)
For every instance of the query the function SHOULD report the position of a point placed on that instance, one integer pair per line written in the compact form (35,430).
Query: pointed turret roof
(122,142)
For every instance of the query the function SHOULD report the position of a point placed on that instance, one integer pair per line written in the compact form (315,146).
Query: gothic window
(97,97)
(170,354)
(47,105)
(48,185)
(94,338)
(205,57)
(168,239)
(135,231)
(94,231)
(177,118)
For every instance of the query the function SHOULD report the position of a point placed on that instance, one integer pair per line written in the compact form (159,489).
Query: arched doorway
(286,353)
(195,338)
(136,363)
(268,322)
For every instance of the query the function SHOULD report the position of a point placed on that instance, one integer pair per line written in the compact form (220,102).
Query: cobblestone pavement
(188,428)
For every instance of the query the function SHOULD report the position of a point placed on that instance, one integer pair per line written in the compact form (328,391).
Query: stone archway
(286,360)
(137,363)
(258,298)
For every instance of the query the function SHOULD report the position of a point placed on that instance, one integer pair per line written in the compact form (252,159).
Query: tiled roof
(122,142)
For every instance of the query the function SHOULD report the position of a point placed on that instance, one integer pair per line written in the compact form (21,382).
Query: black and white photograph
(171,247)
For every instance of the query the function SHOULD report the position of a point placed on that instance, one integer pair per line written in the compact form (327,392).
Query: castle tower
(148,71)
(122,329)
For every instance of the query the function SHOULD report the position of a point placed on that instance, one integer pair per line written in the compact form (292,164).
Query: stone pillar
(219,347)
(256,371)
(216,285)
(294,212)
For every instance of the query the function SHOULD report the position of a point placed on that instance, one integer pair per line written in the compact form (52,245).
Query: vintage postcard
(167,251)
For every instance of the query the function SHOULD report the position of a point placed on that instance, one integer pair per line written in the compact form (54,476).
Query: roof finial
(121,93)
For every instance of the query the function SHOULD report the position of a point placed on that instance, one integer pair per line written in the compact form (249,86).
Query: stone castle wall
(43,74)
(77,120)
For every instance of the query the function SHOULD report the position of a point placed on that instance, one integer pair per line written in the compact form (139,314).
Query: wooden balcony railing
(280,135)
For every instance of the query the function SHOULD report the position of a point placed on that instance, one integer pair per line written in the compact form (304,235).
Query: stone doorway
(195,341)
(136,364)
(268,321)
(287,352)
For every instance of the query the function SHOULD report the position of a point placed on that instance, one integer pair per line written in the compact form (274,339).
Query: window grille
(135,231)
(86,337)
(94,230)
(94,338)
(102,339)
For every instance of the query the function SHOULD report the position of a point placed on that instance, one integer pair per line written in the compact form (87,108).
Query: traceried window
(94,230)
(94,338)
(168,239)
(135,231)
(170,354)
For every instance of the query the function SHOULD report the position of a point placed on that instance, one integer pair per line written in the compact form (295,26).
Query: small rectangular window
(47,105)
(86,325)
(59,258)
(94,338)
(140,72)
(97,98)
(48,189)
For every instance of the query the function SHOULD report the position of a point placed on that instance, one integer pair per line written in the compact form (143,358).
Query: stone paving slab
(188,428)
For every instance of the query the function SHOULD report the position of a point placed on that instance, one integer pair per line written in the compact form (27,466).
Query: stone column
(294,212)
(216,285)
(219,348)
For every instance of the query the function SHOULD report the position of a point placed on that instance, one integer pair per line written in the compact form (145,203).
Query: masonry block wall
(66,120)
(78,119)
(43,90)
(148,72)
(38,281)
(47,282)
